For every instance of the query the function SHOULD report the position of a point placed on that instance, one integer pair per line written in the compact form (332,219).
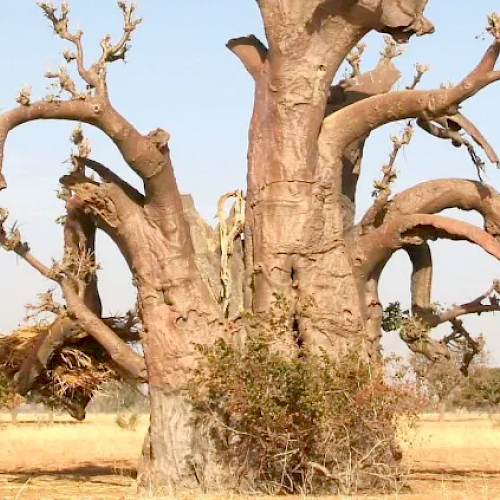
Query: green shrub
(299,423)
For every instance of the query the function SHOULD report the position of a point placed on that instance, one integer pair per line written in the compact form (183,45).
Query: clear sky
(179,76)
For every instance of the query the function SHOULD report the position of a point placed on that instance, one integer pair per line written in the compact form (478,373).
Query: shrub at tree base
(305,424)
(4,390)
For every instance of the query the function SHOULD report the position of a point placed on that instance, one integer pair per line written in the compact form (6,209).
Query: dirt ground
(95,460)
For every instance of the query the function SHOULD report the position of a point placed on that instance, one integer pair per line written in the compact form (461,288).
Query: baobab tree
(294,233)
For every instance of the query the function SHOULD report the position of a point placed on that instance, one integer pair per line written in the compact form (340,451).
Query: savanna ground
(95,460)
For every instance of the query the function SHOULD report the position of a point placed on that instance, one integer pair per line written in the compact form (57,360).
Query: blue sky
(179,76)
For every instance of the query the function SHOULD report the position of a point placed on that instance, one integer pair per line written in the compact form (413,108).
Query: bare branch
(95,76)
(12,242)
(471,348)
(118,350)
(140,152)
(66,83)
(354,60)
(377,81)
(437,195)
(421,69)
(383,187)
(461,122)
(476,306)
(118,51)
(368,114)
(377,246)
(60,25)
(110,177)
(251,52)
(448,127)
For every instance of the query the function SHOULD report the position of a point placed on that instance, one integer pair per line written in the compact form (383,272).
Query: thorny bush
(306,422)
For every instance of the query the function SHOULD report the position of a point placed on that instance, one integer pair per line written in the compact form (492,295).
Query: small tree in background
(481,391)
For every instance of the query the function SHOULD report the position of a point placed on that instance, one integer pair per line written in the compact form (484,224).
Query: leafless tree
(294,234)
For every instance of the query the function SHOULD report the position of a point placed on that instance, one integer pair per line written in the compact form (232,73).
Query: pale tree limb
(138,151)
(79,239)
(118,350)
(251,52)
(471,347)
(109,176)
(362,117)
(379,80)
(148,156)
(12,242)
(95,76)
(421,69)
(476,306)
(65,276)
(434,196)
(383,187)
(461,122)
(426,313)
(378,245)
(354,59)
(449,127)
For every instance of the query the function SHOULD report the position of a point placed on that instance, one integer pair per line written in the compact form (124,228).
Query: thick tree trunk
(178,310)
(296,223)
(175,451)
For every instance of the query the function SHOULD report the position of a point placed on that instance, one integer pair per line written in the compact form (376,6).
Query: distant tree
(446,381)
(481,390)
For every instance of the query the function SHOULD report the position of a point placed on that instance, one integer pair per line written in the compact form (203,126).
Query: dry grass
(95,460)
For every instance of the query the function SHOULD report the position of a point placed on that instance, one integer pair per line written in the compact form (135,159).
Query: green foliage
(393,317)
(292,421)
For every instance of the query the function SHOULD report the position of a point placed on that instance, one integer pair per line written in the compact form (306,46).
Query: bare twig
(382,190)
(421,69)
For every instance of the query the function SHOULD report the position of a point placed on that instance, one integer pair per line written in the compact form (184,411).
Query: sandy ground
(95,460)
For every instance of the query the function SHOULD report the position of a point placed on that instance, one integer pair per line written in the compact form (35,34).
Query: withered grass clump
(303,424)
(74,372)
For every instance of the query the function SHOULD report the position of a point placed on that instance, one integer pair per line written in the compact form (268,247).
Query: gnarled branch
(12,242)
(383,187)
(118,350)
(377,246)
(95,76)
(437,195)
(362,117)
(251,52)
(109,176)
(449,127)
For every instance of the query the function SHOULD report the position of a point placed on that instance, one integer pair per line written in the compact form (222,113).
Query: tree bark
(294,234)
(300,243)
(174,455)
